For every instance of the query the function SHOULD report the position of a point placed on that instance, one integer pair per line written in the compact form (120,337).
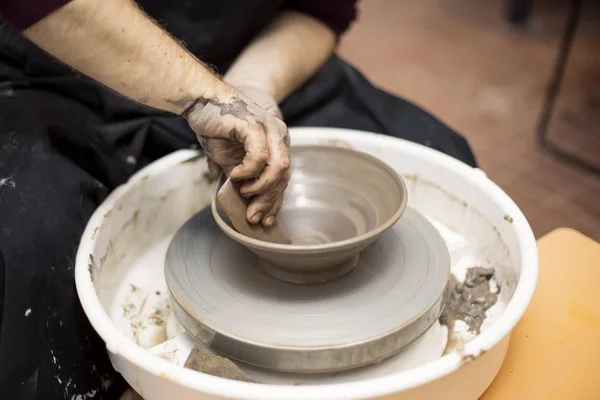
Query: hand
(261,97)
(247,143)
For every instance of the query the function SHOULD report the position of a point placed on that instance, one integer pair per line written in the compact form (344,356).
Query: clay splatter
(146,310)
(134,288)
(158,316)
(92,267)
(238,108)
(468,301)
(7,182)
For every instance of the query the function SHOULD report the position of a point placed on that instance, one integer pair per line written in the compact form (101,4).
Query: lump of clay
(203,360)
(470,300)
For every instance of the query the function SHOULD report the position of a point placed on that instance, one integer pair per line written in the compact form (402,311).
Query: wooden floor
(462,61)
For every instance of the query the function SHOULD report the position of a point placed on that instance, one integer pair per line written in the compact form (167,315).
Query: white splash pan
(120,282)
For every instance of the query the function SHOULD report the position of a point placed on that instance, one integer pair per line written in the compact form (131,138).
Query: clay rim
(319,248)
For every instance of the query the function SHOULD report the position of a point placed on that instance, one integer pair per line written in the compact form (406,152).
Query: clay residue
(510,279)
(147,313)
(203,360)
(131,221)
(159,316)
(92,267)
(468,301)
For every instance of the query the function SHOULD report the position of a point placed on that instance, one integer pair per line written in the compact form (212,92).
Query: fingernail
(269,221)
(256,217)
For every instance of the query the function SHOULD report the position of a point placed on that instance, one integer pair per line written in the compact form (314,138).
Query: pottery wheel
(223,299)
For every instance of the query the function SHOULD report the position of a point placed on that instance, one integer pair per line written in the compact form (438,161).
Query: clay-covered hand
(249,144)
(262,97)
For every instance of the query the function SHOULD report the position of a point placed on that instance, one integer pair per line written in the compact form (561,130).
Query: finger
(224,152)
(254,138)
(270,216)
(260,205)
(278,162)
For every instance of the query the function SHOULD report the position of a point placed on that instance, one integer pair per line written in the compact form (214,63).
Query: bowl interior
(335,195)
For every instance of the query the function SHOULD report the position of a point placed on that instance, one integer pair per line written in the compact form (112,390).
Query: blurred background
(487,77)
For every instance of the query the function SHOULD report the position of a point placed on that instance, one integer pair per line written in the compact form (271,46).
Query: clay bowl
(338,202)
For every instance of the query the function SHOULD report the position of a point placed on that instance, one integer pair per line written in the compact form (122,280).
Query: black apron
(66,142)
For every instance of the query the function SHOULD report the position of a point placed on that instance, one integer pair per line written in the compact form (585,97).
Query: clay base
(309,278)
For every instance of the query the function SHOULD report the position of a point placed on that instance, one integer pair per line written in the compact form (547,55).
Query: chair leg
(564,50)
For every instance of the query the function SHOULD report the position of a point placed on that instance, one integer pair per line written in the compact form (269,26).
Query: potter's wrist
(221,92)
(212,90)
(240,82)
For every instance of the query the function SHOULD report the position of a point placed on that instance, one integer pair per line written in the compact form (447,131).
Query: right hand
(249,144)
(261,96)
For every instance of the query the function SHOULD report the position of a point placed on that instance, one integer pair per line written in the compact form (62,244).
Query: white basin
(120,281)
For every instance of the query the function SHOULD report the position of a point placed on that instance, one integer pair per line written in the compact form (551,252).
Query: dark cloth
(66,142)
(336,14)
(24,13)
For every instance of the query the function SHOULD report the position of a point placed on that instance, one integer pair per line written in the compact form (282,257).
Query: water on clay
(140,310)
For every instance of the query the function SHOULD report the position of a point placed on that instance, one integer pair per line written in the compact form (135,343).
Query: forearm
(113,42)
(285,55)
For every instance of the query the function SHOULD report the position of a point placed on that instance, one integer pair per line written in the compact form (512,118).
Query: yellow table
(554,352)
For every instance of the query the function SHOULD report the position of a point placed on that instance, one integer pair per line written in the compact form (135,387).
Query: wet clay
(468,301)
(339,200)
(237,107)
(234,205)
(203,360)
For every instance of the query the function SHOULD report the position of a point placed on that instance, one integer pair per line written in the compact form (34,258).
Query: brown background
(462,61)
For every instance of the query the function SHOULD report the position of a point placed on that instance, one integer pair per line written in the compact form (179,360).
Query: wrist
(204,87)
(244,81)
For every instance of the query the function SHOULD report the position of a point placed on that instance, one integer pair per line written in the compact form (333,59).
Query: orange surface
(554,352)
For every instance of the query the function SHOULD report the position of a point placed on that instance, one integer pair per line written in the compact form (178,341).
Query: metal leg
(518,11)
(553,88)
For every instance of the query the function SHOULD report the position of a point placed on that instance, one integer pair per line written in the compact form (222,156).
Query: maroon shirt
(336,14)
(24,13)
